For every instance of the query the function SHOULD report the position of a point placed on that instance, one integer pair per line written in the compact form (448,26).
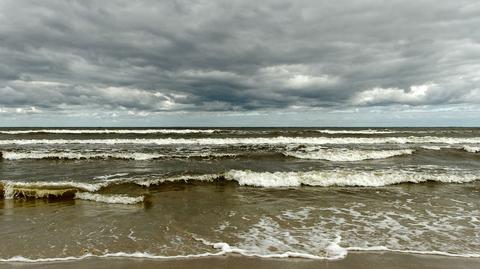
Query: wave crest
(325,178)
(344,178)
(345,155)
(139,156)
(366,131)
(110,199)
(471,149)
(111,131)
(279,140)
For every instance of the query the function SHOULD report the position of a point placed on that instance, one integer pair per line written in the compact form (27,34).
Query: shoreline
(356,260)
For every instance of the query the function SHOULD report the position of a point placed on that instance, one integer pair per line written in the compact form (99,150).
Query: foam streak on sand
(279,140)
(336,251)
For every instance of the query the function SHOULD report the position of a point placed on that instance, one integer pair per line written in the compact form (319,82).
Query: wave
(11,155)
(225,249)
(467,148)
(324,178)
(471,149)
(111,131)
(66,191)
(48,189)
(110,199)
(332,252)
(311,152)
(431,147)
(345,155)
(339,177)
(367,131)
(140,255)
(255,141)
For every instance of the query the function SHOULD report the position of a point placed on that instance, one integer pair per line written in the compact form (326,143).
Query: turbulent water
(314,193)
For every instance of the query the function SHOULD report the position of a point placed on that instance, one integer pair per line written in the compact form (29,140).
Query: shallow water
(313,193)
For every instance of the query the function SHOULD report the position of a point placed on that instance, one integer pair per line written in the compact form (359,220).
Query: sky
(239,63)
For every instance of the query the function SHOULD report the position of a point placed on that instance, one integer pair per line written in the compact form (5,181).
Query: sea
(178,193)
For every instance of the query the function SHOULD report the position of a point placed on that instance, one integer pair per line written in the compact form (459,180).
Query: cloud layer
(149,57)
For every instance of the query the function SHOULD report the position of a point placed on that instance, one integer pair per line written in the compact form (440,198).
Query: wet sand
(353,260)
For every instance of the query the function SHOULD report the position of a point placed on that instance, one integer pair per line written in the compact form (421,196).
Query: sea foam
(366,131)
(110,199)
(344,177)
(111,131)
(139,156)
(279,140)
(343,154)
(471,149)
(317,178)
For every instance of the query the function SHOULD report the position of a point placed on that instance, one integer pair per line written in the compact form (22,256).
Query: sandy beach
(353,260)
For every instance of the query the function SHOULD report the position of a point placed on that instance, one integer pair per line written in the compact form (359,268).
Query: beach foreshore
(369,260)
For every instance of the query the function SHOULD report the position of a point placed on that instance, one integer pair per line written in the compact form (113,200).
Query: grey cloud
(237,55)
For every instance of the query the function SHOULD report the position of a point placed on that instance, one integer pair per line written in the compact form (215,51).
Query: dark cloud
(156,56)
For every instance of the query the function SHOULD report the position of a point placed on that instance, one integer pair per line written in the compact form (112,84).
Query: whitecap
(110,199)
(111,131)
(471,149)
(345,155)
(344,177)
(280,140)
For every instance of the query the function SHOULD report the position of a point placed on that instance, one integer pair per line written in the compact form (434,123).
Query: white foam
(9,186)
(9,155)
(140,255)
(335,250)
(225,249)
(367,131)
(345,155)
(111,131)
(110,199)
(323,178)
(431,147)
(8,191)
(344,177)
(471,149)
(255,141)
(185,178)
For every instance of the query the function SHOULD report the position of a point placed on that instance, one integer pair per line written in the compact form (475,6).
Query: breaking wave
(111,131)
(11,155)
(367,131)
(325,178)
(256,141)
(471,149)
(345,155)
(110,199)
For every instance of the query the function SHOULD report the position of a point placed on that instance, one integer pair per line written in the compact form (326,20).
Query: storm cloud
(140,58)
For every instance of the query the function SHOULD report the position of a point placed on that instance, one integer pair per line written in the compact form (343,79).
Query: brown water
(312,193)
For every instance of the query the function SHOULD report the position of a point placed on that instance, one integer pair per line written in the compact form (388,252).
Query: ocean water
(314,193)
